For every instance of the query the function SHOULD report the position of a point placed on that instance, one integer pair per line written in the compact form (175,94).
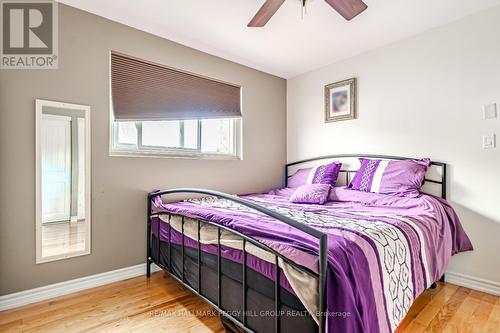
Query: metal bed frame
(322,240)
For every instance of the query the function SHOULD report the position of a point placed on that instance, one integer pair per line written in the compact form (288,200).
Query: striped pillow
(400,178)
(323,174)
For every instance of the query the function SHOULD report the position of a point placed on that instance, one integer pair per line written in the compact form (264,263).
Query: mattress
(383,251)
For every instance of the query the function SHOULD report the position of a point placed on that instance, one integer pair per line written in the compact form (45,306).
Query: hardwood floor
(161,304)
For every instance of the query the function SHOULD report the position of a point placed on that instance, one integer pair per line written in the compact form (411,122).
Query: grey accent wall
(119,184)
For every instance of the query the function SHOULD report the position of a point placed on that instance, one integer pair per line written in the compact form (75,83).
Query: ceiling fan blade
(265,13)
(348,8)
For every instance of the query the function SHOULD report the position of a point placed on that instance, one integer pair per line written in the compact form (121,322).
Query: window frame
(126,150)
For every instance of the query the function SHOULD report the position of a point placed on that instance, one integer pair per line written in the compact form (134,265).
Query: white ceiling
(288,45)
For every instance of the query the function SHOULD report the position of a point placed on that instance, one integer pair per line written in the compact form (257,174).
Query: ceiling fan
(347,8)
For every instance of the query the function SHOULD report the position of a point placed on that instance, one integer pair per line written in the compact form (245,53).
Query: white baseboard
(487,286)
(15,300)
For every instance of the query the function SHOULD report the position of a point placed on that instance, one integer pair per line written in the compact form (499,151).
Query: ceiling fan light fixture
(303,8)
(347,8)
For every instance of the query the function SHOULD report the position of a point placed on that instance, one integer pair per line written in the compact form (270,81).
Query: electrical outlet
(489,141)
(490,111)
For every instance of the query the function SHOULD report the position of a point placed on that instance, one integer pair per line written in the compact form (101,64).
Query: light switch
(489,141)
(490,111)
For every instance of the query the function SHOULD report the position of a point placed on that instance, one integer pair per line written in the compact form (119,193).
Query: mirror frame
(39,104)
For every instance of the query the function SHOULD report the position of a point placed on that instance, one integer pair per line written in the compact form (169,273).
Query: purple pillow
(400,178)
(323,174)
(311,194)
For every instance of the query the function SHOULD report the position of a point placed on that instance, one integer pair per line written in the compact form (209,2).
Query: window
(196,138)
(160,110)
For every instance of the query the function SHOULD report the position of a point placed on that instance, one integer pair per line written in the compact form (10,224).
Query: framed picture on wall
(340,100)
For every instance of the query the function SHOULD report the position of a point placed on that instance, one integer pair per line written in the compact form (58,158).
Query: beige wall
(421,97)
(119,185)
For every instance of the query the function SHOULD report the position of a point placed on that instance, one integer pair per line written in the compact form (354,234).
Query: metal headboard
(347,172)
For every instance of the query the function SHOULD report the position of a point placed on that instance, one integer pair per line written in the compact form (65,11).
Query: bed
(353,264)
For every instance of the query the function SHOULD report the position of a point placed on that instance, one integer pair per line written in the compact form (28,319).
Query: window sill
(191,156)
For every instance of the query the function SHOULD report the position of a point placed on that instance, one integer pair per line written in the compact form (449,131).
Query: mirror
(62,180)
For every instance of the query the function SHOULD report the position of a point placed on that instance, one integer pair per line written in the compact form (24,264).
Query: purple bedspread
(383,251)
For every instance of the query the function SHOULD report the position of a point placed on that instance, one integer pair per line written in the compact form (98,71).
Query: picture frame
(340,100)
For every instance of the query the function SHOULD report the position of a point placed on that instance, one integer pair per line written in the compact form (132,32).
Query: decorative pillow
(400,178)
(311,194)
(323,174)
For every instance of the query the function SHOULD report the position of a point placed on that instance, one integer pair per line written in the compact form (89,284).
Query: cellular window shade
(143,91)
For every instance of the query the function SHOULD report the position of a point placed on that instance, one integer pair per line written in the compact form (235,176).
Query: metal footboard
(321,275)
